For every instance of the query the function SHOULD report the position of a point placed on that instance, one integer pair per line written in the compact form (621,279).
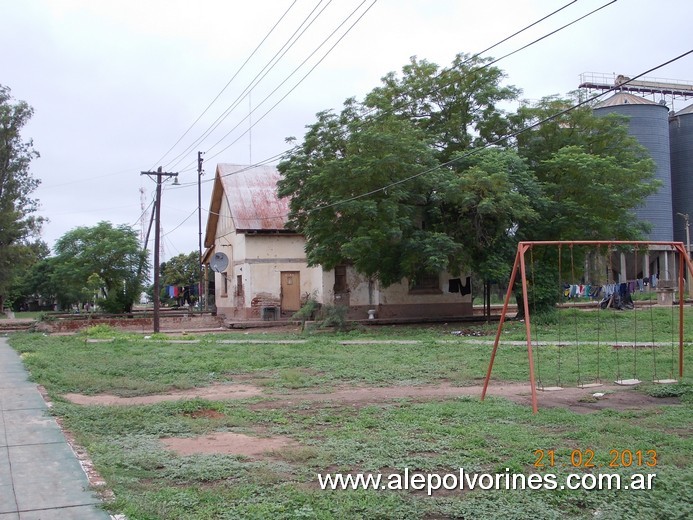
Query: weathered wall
(398,301)
(266,256)
(172,323)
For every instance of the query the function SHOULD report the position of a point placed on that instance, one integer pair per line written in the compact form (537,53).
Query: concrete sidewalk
(40,476)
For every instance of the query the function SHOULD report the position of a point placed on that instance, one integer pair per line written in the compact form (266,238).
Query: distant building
(268,277)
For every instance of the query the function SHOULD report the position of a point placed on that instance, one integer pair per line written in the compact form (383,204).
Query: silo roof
(623,98)
(687,110)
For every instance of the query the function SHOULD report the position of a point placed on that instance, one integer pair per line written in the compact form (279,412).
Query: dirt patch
(615,397)
(213,393)
(228,443)
(578,400)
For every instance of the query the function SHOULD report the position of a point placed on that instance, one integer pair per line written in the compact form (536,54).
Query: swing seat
(665,381)
(628,382)
(549,388)
(589,385)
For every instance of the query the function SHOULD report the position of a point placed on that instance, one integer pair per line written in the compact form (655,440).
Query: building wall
(397,300)
(258,295)
(259,259)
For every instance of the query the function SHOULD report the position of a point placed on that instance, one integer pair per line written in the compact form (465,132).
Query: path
(40,476)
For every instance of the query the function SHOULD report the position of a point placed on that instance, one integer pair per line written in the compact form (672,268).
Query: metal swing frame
(520,265)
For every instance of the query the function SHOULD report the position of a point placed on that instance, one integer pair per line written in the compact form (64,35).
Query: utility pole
(199,225)
(157,239)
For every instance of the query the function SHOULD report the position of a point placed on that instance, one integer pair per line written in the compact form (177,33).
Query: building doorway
(290,291)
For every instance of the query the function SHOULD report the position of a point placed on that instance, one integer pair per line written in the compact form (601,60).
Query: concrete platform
(40,476)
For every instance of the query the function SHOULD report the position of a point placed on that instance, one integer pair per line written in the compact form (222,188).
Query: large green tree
(181,270)
(111,253)
(19,226)
(423,175)
(398,138)
(593,172)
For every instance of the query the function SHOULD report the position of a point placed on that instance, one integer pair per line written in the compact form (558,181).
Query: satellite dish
(219,262)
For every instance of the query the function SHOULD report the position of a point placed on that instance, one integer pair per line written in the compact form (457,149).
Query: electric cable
(296,85)
(253,83)
(404,104)
(287,79)
(227,84)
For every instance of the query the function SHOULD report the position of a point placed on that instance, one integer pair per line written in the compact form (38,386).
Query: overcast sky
(115,84)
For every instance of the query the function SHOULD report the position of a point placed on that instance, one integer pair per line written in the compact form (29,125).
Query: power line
(500,139)
(299,82)
(289,77)
(227,84)
(254,82)
(404,104)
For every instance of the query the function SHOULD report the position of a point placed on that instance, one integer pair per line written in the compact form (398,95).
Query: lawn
(371,434)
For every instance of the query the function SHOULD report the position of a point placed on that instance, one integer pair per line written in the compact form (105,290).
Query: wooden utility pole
(157,239)
(199,225)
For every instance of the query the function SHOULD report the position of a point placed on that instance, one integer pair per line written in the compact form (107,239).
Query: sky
(121,87)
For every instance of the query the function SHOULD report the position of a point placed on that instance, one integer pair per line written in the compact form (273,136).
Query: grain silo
(648,122)
(681,133)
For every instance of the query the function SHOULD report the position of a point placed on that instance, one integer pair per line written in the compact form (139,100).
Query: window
(426,282)
(224,285)
(239,285)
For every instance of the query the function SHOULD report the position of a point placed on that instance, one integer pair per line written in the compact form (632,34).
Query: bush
(334,316)
(306,312)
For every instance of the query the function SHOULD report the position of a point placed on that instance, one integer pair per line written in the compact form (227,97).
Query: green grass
(150,482)
(24,315)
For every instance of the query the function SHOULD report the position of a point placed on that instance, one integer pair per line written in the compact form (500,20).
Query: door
(341,288)
(290,291)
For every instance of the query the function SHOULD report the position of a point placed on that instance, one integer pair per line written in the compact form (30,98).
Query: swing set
(520,265)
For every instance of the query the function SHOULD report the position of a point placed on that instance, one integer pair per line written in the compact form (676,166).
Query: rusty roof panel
(252,196)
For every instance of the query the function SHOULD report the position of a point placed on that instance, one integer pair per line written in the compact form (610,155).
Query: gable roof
(251,193)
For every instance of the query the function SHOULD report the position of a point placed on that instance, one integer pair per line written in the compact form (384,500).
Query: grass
(150,482)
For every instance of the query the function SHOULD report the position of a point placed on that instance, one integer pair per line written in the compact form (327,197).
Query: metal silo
(648,122)
(681,133)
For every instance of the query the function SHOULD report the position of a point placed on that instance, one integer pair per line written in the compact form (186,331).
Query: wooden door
(341,287)
(290,291)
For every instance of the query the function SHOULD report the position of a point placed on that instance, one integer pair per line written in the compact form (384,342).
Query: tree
(593,175)
(19,226)
(578,150)
(181,270)
(402,136)
(111,253)
(421,176)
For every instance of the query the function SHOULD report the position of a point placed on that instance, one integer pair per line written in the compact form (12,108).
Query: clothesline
(606,290)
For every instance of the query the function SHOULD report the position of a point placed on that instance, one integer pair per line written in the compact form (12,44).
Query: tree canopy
(103,259)
(429,173)
(19,225)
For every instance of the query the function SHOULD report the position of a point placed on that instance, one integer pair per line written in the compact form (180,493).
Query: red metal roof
(251,192)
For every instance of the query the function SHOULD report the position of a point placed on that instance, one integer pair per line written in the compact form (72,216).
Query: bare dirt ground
(578,400)
(228,443)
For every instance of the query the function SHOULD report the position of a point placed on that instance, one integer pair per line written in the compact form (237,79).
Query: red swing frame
(519,263)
